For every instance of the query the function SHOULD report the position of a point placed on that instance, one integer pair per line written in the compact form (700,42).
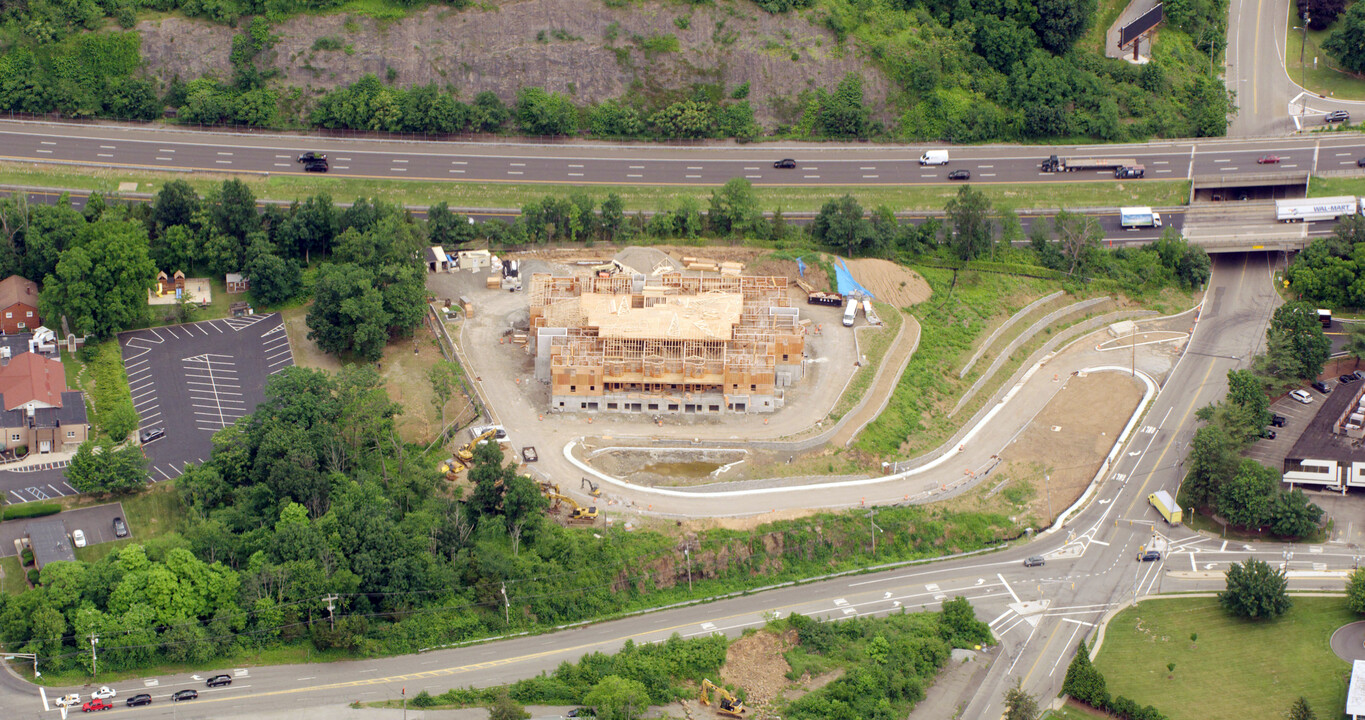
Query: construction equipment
(726,704)
(592,487)
(578,514)
(466,453)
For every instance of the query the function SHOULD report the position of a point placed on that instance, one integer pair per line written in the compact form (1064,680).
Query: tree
(348,312)
(102,469)
(232,206)
(101,284)
(1247,408)
(970,216)
(734,208)
(1347,42)
(1292,515)
(1296,346)
(174,248)
(1355,591)
(505,708)
(442,378)
(841,224)
(1301,710)
(1019,705)
(1213,459)
(545,113)
(617,698)
(1060,22)
(1245,499)
(1256,591)
(274,280)
(613,217)
(843,114)
(1355,342)
(1084,682)
(1078,237)
(175,204)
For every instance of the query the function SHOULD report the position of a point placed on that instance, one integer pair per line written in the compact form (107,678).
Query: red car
(94,705)
(1268,160)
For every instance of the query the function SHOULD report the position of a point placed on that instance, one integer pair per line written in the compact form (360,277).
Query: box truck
(934,157)
(1165,504)
(1132,218)
(850,312)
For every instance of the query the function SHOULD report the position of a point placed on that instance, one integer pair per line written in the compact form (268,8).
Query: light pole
(688,552)
(1303,69)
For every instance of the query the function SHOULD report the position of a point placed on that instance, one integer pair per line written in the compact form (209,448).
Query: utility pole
(331,617)
(506,606)
(873,530)
(688,552)
(405,703)
(1047,483)
(94,666)
(1132,340)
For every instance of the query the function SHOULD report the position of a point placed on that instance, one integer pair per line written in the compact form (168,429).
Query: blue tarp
(847,285)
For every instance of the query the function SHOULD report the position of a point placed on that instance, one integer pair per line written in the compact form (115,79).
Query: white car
(78,537)
(71,700)
(104,693)
(1302,396)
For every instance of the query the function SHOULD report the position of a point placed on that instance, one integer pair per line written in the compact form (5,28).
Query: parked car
(960,175)
(1277,420)
(1268,160)
(136,700)
(104,693)
(1149,556)
(95,705)
(78,538)
(219,681)
(1033,561)
(785,164)
(1322,387)
(68,700)
(1337,116)
(120,528)
(1302,396)
(151,434)
(1268,434)
(185,695)
(1348,378)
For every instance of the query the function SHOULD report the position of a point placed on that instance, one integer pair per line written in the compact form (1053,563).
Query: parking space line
(73,490)
(149,417)
(163,472)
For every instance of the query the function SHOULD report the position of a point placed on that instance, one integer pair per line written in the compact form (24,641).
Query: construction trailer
(666,343)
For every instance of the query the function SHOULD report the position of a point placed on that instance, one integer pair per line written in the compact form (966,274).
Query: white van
(850,312)
(934,157)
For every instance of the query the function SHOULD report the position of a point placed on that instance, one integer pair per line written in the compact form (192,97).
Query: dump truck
(1133,218)
(1327,208)
(1054,164)
(1165,504)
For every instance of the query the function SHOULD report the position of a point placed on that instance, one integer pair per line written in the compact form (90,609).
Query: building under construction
(665,344)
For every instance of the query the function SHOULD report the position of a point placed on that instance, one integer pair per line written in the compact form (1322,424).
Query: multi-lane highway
(589,164)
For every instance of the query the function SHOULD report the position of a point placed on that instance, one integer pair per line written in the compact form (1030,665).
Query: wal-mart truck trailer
(1311,209)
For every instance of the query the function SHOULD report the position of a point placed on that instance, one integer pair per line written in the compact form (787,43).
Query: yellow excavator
(578,514)
(465,456)
(726,704)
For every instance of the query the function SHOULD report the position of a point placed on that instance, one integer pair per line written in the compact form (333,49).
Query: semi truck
(1308,210)
(1132,218)
(1055,164)
(1165,504)
(1130,171)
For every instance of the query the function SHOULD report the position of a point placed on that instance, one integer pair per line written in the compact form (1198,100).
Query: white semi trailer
(1311,209)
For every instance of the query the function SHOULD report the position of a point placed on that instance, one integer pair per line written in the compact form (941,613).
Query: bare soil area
(579,47)
(889,282)
(755,663)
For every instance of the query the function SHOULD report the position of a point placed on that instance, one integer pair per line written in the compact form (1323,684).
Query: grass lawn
(1317,77)
(154,511)
(874,346)
(1236,669)
(1328,187)
(1039,194)
(14,582)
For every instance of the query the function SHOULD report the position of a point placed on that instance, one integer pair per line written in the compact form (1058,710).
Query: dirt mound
(889,282)
(755,663)
(647,260)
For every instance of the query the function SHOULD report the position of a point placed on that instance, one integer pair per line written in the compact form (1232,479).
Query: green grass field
(1317,76)
(636,197)
(1236,669)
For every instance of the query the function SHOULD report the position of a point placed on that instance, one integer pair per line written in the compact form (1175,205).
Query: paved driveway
(196,379)
(96,522)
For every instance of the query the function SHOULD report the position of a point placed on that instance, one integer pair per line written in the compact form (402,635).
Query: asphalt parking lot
(96,522)
(1271,453)
(193,380)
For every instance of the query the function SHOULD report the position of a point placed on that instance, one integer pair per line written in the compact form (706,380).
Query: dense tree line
(1331,270)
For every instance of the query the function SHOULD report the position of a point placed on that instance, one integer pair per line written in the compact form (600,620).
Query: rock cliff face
(579,47)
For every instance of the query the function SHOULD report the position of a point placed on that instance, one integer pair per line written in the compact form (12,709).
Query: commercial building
(1329,454)
(665,343)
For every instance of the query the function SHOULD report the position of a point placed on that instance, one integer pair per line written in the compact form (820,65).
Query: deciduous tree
(616,698)
(1256,591)
(969,214)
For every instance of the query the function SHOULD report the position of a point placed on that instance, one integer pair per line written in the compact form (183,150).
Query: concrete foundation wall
(698,404)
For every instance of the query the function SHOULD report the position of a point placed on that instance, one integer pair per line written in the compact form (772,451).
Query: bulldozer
(578,514)
(726,704)
(465,457)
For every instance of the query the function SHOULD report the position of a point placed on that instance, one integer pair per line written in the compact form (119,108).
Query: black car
(120,528)
(960,175)
(318,165)
(151,434)
(1360,162)
(1337,116)
(1322,387)
(136,700)
(312,156)
(219,680)
(1277,420)
(1149,556)
(1268,434)
(785,164)
(1348,378)
(581,712)
(185,695)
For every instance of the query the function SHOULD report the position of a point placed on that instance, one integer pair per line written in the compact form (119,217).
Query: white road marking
(107,147)
(515,172)
(223,162)
(398,160)
(225,153)
(1008,589)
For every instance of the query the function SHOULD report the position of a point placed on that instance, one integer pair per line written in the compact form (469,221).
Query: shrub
(26,557)
(31,510)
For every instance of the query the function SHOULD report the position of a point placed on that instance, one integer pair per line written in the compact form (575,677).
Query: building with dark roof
(1329,453)
(36,409)
(49,542)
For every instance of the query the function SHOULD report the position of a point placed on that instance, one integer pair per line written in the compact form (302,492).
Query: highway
(579,164)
